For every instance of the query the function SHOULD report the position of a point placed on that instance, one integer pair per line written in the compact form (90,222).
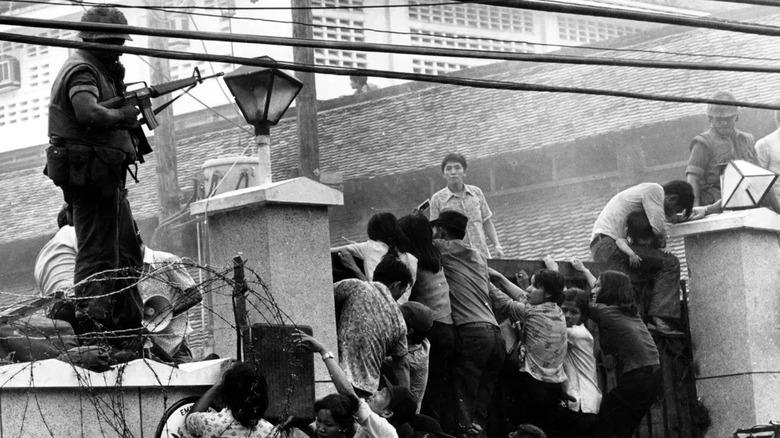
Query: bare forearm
(514,291)
(340,381)
(622,245)
(490,231)
(90,113)
(693,180)
(203,403)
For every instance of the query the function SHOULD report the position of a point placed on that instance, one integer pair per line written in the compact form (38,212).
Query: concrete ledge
(754,218)
(53,373)
(292,191)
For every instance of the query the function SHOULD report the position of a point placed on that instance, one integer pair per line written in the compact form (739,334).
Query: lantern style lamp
(744,185)
(263,94)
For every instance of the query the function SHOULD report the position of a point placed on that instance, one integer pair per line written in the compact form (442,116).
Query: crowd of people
(499,355)
(495,357)
(430,340)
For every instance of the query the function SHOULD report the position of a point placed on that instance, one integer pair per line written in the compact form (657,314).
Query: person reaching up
(377,415)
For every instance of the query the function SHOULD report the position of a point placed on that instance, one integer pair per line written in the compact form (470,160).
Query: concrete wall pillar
(282,231)
(734,309)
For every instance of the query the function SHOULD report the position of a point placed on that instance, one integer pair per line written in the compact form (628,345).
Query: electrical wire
(544,6)
(258,8)
(388,48)
(206,106)
(506,41)
(460,37)
(751,2)
(341,71)
(211,65)
(624,14)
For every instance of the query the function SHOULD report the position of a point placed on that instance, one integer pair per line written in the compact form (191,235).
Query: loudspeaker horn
(157,313)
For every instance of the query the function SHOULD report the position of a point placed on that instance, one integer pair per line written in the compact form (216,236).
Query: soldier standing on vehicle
(91,149)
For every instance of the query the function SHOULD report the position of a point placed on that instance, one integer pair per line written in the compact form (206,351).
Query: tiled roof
(407,131)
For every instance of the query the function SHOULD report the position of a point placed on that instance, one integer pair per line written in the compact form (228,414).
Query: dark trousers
(538,403)
(624,407)
(659,271)
(109,258)
(570,424)
(479,355)
(505,414)
(439,399)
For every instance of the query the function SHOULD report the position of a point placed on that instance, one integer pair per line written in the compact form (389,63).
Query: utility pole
(306,102)
(168,195)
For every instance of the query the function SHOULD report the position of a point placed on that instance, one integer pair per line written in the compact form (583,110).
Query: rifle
(142,98)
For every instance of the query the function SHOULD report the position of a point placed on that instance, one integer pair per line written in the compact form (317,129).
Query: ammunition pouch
(76,166)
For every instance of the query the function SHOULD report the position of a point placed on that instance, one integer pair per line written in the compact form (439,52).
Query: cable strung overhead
(188,10)
(623,14)
(341,71)
(386,48)
(535,5)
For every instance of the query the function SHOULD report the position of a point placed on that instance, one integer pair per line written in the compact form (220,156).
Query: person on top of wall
(714,148)
(91,149)
(468,200)
(670,203)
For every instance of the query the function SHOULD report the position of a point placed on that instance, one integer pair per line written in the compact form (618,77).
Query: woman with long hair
(244,392)
(383,234)
(623,334)
(432,290)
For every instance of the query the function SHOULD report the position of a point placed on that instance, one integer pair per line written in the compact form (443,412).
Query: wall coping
(54,373)
(755,218)
(294,191)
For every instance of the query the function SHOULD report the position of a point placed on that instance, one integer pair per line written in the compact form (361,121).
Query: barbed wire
(110,407)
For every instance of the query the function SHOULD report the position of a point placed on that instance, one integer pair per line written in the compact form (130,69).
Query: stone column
(734,309)
(282,231)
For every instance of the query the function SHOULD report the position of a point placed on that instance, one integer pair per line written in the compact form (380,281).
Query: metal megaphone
(158,313)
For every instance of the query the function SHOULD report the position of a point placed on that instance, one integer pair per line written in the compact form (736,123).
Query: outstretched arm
(577,264)
(203,403)
(340,381)
(511,289)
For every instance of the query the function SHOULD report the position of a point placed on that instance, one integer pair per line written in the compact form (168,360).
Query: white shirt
(56,262)
(768,154)
(580,368)
(646,196)
(372,251)
(371,424)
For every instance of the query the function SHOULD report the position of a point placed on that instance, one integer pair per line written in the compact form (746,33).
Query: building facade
(27,71)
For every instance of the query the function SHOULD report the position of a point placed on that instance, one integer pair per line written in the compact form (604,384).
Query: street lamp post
(263,95)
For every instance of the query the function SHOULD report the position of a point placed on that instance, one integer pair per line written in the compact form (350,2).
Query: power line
(255,8)
(537,5)
(341,71)
(456,37)
(623,14)
(484,38)
(751,2)
(387,48)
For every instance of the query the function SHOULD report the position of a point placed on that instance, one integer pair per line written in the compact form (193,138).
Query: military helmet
(107,15)
(718,110)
